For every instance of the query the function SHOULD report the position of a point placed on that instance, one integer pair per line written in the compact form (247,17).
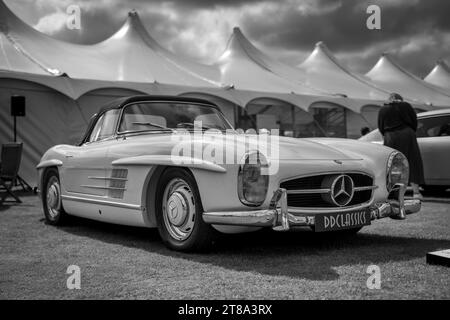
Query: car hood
(307,149)
(282,148)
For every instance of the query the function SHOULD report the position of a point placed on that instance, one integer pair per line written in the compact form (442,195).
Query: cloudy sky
(416,32)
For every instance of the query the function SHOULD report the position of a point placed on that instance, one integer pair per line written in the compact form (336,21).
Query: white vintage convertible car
(125,171)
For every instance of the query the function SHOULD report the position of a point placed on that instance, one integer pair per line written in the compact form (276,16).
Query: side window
(433,127)
(105,126)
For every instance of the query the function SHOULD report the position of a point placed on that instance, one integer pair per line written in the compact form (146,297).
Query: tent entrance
(332,118)
(290,120)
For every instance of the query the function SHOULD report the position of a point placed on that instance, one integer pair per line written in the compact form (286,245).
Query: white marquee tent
(249,68)
(389,75)
(322,69)
(440,76)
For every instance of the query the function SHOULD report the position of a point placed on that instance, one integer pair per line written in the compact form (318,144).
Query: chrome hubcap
(53,197)
(178,209)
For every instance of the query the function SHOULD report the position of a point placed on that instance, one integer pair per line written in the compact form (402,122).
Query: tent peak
(132,13)
(237,33)
(238,42)
(321,44)
(442,63)
(239,46)
(386,57)
(323,48)
(386,61)
(322,54)
(134,28)
(135,21)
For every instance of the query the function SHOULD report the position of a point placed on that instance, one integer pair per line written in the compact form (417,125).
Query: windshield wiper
(152,125)
(191,125)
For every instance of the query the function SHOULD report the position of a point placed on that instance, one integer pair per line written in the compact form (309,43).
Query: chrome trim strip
(306,191)
(365,188)
(108,178)
(326,173)
(303,191)
(317,210)
(104,202)
(101,187)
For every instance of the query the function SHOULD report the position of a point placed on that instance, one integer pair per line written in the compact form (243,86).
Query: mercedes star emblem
(342,190)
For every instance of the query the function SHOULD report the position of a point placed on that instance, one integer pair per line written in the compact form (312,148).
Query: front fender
(164,160)
(49,163)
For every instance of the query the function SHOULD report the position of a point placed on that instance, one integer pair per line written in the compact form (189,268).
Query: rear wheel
(51,198)
(179,212)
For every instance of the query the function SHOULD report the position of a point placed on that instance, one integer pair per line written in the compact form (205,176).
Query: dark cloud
(194,4)
(343,29)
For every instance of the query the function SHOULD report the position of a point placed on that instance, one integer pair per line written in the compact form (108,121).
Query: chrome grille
(310,191)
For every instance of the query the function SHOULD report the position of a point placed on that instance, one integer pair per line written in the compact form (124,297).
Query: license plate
(341,221)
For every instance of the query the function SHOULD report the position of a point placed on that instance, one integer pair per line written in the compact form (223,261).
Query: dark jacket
(395,116)
(397,122)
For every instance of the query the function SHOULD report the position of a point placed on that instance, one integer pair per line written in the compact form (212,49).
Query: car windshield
(157,116)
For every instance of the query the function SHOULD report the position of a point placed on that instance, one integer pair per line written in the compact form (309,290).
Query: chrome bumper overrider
(281,218)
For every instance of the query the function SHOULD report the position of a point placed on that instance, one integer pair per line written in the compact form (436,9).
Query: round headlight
(397,170)
(252,182)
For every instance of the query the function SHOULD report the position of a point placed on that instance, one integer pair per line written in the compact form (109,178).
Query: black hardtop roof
(123,101)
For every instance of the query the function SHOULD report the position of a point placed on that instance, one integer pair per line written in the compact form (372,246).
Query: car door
(86,164)
(433,136)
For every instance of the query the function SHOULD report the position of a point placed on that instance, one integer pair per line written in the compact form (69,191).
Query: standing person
(397,122)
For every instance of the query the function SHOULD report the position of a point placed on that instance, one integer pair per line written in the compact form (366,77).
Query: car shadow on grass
(299,254)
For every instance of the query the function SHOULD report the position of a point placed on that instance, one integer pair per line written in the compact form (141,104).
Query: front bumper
(280,217)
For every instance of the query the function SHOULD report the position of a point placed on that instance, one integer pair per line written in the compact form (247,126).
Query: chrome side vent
(117,183)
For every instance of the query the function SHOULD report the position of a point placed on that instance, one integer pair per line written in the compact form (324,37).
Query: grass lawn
(132,263)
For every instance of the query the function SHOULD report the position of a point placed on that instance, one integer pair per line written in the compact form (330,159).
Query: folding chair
(11,156)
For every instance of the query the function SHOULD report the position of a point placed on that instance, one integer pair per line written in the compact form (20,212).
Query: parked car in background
(433,136)
(125,172)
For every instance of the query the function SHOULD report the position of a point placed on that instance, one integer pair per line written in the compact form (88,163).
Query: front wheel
(51,198)
(179,212)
